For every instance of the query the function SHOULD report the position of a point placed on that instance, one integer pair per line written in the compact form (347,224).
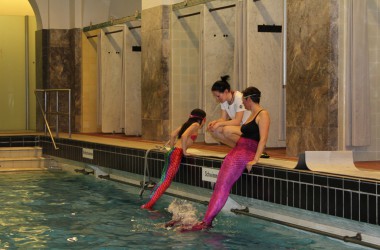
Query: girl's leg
(167,177)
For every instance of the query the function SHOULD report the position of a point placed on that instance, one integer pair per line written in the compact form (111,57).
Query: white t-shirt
(236,106)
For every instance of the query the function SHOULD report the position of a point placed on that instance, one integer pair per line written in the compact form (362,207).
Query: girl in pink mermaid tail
(246,153)
(186,135)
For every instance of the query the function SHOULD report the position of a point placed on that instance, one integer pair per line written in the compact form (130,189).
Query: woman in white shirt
(227,128)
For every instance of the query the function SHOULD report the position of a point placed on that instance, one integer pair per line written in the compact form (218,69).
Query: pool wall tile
(355,206)
(283,192)
(368,187)
(303,197)
(294,176)
(339,203)
(351,185)
(19,141)
(291,195)
(372,208)
(363,216)
(317,199)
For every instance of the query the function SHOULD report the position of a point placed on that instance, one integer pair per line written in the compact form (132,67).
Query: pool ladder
(45,110)
(150,184)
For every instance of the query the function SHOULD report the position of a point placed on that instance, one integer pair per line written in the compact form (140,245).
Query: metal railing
(57,113)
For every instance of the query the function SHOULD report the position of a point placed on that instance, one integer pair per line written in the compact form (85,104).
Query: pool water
(74,211)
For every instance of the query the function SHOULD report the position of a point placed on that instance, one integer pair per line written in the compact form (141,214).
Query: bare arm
(233,122)
(223,117)
(263,120)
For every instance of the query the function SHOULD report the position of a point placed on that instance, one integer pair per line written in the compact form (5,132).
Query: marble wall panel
(58,58)
(76,44)
(155,63)
(312,90)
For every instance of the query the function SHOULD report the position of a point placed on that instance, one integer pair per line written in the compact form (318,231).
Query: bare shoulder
(264,114)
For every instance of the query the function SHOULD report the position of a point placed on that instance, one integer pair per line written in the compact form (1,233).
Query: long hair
(221,85)
(197,115)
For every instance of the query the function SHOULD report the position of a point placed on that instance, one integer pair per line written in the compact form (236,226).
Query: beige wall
(12,72)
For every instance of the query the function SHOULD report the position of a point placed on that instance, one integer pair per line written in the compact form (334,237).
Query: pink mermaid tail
(172,163)
(230,171)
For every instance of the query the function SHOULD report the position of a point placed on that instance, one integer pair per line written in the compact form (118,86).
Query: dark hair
(197,115)
(253,93)
(221,85)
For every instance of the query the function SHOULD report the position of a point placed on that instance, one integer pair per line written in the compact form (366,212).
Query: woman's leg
(231,135)
(174,161)
(228,135)
(231,170)
(217,134)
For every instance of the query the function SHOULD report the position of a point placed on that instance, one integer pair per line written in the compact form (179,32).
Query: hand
(186,153)
(250,164)
(210,126)
(216,125)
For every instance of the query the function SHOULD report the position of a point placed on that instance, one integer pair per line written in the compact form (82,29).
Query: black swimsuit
(251,130)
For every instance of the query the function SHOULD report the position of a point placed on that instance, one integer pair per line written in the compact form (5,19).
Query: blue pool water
(69,211)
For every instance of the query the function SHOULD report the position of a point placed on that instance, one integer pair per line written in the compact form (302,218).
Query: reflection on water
(65,211)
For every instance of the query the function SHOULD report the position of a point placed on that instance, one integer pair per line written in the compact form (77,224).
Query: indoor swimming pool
(59,210)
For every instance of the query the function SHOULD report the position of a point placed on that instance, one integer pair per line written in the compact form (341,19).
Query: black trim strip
(135,27)
(221,8)
(111,32)
(192,14)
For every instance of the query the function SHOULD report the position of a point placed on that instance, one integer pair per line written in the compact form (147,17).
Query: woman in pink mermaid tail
(186,135)
(246,153)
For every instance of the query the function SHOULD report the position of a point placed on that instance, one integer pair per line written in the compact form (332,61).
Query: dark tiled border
(339,196)
(19,141)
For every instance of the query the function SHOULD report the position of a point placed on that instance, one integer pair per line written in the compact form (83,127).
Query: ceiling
(15,8)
